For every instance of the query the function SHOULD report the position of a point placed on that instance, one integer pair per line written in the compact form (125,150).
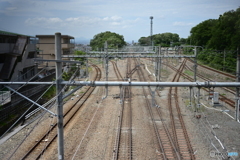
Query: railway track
(116,70)
(223,73)
(222,97)
(208,79)
(48,138)
(179,130)
(165,144)
(123,143)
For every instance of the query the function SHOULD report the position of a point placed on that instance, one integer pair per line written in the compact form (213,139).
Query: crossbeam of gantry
(133,83)
(127,56)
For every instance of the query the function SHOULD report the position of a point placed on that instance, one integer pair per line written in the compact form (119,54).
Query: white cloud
(91,22)
(182,24)
(88,17)
(51,23)
(115,23)
(116,18)
(11,8)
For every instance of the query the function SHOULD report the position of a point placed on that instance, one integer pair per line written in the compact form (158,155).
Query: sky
(83,19)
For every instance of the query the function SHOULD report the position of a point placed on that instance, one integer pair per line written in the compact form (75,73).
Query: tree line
(219,34)
(164,39)
(220,39)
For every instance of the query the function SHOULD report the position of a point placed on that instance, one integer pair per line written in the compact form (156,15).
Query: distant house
(46,46)
(16,56)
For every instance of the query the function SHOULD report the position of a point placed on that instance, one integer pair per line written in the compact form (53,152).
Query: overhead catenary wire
(79,145)
(42,113)
(39,98)
(209,126)
(23,84)
(27,110)
(74,82)
(26,136)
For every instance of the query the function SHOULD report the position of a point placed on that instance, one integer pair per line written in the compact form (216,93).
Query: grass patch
(190,73)
(228,79)
(50,93)
(8,120)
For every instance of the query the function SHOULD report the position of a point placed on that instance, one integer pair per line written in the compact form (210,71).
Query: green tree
(201,33)
(144,41)
(82,59)
(163,39)
(219,34)
(114,40)
(226,34)
(183,40)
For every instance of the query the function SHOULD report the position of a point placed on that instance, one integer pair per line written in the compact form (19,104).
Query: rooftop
(63,36)
(12,34)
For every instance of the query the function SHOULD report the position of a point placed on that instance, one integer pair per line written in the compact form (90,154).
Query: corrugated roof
(12,34)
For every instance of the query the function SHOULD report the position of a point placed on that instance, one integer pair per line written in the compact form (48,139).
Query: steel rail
(53,128)
(175,151)
(223,73)
(168,135)
(222,98)
(160,143)
(119,145)
(176,78)
(116,70)
(208,79)
(130,141)
(117,142)
(129,88)
(172,118)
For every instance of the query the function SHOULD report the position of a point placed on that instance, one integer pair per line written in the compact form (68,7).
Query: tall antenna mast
(151,22)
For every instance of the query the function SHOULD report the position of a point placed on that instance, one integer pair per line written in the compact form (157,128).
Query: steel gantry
(206,84)
(59,82)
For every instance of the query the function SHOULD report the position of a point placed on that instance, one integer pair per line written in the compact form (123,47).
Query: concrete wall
(25,63)
(46,45)
(47,40)
(6,47)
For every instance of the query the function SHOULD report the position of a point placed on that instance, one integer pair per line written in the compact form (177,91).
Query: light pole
(151,22)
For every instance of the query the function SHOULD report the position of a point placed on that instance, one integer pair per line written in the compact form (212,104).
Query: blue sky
(130,18)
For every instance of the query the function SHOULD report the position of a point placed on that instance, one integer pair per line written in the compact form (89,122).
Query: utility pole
(59,95)
(237,88)
(153,98)
(198,99)
(156,66)
(106,67)
(190,88)
(106,47)
(159,65)
(87,74)
(195,64)
(195,76)
(224,57)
